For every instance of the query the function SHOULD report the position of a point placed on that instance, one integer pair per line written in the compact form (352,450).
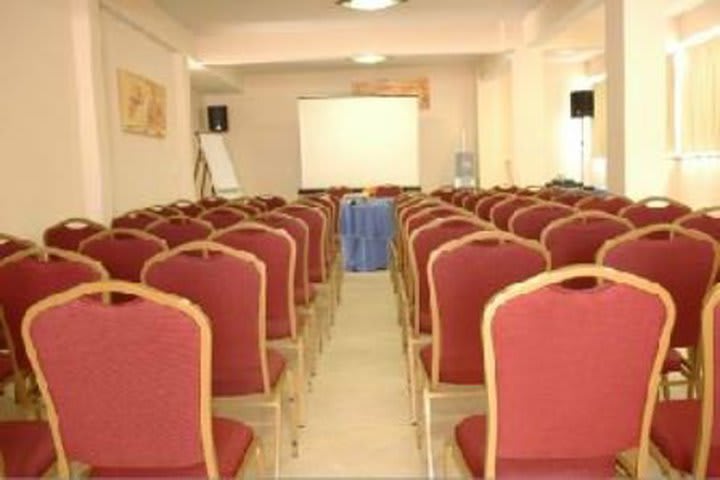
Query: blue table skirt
(367,228)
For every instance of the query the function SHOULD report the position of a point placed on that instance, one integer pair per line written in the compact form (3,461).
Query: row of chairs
(449,263)
(263,270)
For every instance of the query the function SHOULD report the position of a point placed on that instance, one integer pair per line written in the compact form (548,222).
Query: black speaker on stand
(582,105)
(217,118)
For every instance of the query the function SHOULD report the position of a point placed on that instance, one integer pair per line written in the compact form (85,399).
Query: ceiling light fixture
(368,58)
(369,5)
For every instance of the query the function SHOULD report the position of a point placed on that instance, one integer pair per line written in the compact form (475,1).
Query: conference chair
(164,211)
(188,208)
(654,211)
(122,252)
(463,275)
(10,244)
(320,277)
(529,222)
(459,195)
(501,212)
(683,261)
(530,191)
(284,327)
(208,203)
(548,193)
(418,321)
(570,197)
(706,220)
(443,193)
(471,201)
(339,191)
(483,207)
(331,210)
(69,233)
(244,207)
(388,191)
(685,432)
(396,245)
(137,219)
(223,217)
(611,204)
(566,393)
(179,230)
(273,201)
(25,278)
(132,395)
(513,189)
(258,203)
(26,449)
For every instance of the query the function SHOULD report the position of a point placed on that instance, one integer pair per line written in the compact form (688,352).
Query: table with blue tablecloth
(367,228)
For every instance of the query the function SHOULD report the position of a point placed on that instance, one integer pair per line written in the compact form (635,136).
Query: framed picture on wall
(142,105)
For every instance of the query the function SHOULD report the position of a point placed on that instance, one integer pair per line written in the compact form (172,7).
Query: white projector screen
(359,141)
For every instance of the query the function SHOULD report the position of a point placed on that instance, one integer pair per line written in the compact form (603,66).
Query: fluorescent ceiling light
(369,5)
(195,64)
(368,58)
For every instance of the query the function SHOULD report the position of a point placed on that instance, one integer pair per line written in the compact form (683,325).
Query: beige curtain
(599,126)
(701,98)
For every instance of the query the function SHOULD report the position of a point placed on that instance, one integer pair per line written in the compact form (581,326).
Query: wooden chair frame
(6,238)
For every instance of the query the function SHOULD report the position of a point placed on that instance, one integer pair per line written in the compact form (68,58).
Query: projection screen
(359,141)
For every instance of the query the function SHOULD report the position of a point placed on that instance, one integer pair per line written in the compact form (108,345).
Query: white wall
(263,136)
(493,122)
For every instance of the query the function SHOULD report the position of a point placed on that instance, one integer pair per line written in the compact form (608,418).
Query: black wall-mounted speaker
(217,118)
(582,104)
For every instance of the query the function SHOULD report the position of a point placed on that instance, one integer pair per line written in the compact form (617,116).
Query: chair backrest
(683,261)
(69,233)
(259,204)
(223,217)
(424,216)
(459,195)
(483,207)
(276,249)
(208,203)
(654,211)
(464,274)
(229,285)
(577,238)
(573,374)
(138,219)
(178,230)
(570,197)
(709,434)
(164,210)
(187,207)
(470,201)
(273,201)
(706,220)
(122,251)
(501,212)
(444,193)
(244,207)
(101,369)
(609,203)
(547,193)
(421,245)
(530,191)
(298,230)
(388,191)
(327,205)
(529,222)
(10,244)
(506,188)
(33,274)
(316,222)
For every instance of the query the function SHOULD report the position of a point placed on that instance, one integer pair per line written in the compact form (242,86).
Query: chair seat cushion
(277,329)
(457,370)
(470,436)
(675,431)
(673,361)
(250,379)
(232,441)
(27,448)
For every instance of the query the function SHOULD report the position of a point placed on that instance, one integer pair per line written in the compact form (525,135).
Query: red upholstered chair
(132,394)
(208,203)
(443,193)
(566,392)
(530,191)
(388,191)
(10,244)
(459,195)
(258,203)
(506,189)
(608,203)
(137,219)
(179,230)
(242,206)
(285,328)
(27,277)
(273,201)
(685,433)
(223,217)
(529,222)
(397,252)
(188,208)
(470,201)
(654,211)
(706,220)
(501,212)
(339,191)
(684,262)
(164,210)
(418,320)
(26,449)
(548,193)
(464,274)
(69,233)
(576,239)
(483,207)
(570,197)
(318,271)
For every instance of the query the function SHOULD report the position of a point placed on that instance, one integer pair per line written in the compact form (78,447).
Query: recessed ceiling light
(368,58)
(369,5)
